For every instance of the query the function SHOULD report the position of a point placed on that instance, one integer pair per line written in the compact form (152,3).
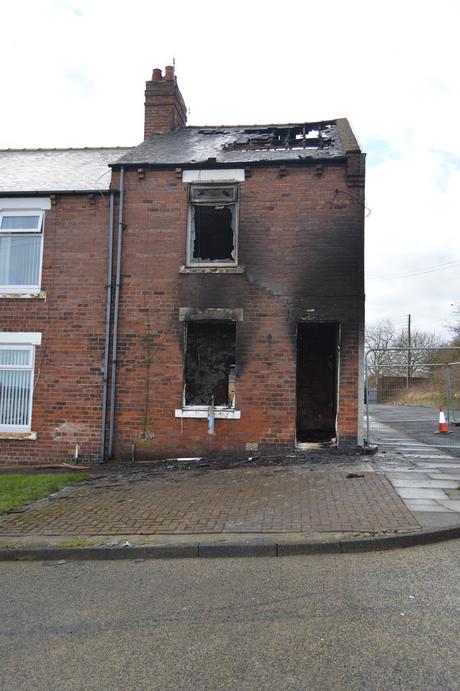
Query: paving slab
(407,475)
(439,483)
(436,520)
(420,493)
(453,504)
(433,466)
(423,505)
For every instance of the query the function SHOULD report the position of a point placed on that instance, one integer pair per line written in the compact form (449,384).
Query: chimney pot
(169,73)
(156,75)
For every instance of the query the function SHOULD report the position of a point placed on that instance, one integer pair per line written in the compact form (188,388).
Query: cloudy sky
(73,74)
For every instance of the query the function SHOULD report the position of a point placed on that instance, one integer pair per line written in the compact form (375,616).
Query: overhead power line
(408,274)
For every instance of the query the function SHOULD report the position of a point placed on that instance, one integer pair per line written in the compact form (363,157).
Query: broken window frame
(202,409)
(192,261)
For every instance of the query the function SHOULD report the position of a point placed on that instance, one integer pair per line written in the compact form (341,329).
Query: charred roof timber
(297,138)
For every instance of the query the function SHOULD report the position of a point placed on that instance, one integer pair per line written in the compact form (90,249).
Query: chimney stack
(164,106)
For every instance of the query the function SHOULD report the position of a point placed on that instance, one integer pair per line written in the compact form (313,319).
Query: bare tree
(421,343)
(455,328)
(380,336)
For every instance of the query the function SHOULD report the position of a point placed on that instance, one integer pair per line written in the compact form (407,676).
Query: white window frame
(190,260)
(29,368)
(25,212)
(24,206)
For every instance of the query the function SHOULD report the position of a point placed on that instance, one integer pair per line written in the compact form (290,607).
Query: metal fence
(405,391)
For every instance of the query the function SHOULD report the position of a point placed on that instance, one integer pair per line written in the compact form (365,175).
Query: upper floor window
(21,244)
(21,247)
(213,225)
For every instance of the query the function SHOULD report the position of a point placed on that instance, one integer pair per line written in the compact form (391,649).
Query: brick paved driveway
(238,500)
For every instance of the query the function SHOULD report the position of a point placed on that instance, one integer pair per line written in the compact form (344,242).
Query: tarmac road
(384,620)
(406,427)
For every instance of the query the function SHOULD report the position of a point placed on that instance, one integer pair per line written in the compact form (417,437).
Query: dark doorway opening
(317,360)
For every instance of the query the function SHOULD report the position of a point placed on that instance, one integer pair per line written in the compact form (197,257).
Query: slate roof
(57,170)
(326,140)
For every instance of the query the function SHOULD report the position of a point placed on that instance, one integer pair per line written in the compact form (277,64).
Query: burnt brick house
(201,293)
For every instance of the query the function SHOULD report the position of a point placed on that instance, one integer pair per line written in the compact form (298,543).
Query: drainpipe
(116,311)
(108,304)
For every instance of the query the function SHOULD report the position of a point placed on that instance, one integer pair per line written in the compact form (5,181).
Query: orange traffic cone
(443,427)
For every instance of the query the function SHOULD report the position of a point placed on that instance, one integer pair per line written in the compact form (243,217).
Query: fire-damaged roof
(326,140)
(57,170)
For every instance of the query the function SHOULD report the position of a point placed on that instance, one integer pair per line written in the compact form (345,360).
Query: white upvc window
(21,244)
(16,387)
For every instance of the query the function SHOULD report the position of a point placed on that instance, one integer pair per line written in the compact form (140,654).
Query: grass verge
(17,490)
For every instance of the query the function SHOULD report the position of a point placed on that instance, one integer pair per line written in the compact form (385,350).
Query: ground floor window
(16,387)
(210,364)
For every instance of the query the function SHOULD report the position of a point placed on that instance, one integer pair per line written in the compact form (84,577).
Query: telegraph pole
(409,343)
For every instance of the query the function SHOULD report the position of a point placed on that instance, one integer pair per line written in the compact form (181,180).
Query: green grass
(17,490)
(76,542)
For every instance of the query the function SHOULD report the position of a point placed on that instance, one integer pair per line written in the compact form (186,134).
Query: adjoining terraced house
(201,293)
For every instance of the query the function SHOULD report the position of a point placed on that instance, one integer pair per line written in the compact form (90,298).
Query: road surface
(411,427)
(385,620)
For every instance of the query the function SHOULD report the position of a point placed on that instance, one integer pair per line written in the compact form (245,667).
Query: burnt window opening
(210,364)
(213,224)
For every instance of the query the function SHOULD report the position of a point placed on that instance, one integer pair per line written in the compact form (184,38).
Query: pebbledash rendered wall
(300,242)
(70,316)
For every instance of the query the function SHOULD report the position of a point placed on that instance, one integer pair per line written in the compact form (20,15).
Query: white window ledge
(202,412)
(18,435)
(26,203)
(211,269)
(19,337)
(39,294)
(216,175)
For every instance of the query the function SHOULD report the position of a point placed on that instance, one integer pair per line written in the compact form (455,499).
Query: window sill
(32,436)
(39,294)
(202,412)
(212,269)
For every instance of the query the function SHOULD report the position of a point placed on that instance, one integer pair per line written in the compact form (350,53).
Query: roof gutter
(41,193)
(211,165)
(116,313)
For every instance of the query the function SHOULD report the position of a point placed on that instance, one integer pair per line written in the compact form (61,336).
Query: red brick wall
(67,396)
(302,245)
